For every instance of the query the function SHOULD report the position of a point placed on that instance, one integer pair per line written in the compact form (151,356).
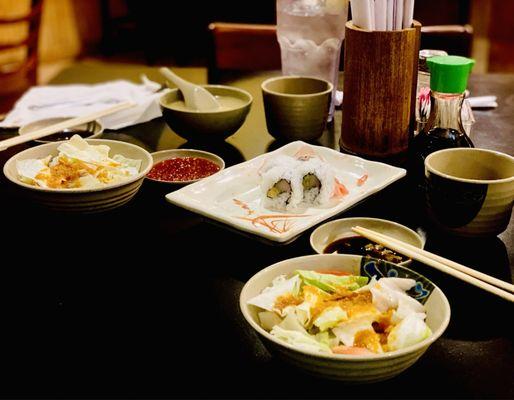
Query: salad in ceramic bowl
(345,317)
(331,311)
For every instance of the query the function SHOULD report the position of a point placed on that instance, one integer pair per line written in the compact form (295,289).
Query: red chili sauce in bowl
(183,169)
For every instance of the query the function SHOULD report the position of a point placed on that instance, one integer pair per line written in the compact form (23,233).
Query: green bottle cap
(449,74)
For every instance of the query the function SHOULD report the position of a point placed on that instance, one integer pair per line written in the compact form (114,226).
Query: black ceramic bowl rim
(249,100)
(467,180)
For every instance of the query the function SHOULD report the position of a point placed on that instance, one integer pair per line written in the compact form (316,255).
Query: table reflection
(230,154)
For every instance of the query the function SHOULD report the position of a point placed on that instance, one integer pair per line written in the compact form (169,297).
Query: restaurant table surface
(143,301)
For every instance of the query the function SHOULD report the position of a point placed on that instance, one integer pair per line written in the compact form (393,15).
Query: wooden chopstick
(469,275)
(477,274)
(69,123)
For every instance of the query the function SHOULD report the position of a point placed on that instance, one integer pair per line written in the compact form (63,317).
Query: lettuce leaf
(411,330)
(300,340)
(346,331)
(280,286)
(330,283)
(268,319)
(291,323)
(390,293)
(330,317)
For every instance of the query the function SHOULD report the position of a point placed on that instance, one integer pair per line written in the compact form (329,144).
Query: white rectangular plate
(233,196)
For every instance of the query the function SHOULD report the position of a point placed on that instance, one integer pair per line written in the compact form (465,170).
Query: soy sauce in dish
(361,246)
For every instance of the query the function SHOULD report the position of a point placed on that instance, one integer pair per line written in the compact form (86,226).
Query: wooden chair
(242,47)
(255,47)
(455,39)
(18,73)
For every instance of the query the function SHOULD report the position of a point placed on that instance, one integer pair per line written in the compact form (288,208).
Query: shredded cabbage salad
(330,312)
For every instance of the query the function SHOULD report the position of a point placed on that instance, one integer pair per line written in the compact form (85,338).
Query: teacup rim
(467,180)
(275,78)
(248,101)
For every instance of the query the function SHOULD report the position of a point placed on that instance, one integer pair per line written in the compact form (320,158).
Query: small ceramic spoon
(195,97)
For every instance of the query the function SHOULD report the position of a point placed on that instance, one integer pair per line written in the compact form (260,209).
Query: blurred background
(47,36)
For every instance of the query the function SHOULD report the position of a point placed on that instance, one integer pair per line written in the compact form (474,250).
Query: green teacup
(296,107)
(470,192)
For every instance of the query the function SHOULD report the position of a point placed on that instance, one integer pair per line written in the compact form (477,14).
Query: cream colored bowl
(331,231)
(82,200)
(350,369)
(470,192)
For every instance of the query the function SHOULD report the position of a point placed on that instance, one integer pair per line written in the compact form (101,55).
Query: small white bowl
(159,156)
(327,233)
(78,200)
(348,368)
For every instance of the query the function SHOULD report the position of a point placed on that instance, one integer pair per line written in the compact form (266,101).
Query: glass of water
(310,34)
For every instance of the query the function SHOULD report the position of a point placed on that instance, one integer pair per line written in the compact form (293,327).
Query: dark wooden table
(143,301)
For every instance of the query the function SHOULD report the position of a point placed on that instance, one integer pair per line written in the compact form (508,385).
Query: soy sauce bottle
(444,129)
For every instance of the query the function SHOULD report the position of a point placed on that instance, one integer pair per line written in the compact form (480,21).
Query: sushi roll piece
(317,182)
(277,161)
(281,189)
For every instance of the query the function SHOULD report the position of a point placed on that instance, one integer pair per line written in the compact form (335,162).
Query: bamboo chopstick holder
(69,123)
(442,264)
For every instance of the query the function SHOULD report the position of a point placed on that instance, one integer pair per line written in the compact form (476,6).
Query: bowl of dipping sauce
(207,125)
(183,166)
(88,130)
(337,237)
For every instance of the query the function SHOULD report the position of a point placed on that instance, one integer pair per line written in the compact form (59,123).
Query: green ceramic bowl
(206,125)
(348,368)
(470,192)
(296,107)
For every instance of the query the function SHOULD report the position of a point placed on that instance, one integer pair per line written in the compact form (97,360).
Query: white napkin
(483,102)
(55,101)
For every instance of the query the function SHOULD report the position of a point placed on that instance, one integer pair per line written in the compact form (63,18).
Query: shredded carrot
(351,350)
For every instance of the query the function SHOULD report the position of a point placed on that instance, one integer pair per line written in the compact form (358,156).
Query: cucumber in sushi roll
(281,188)
(317,182)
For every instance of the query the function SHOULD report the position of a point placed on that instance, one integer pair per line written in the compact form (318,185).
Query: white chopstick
(469,275)
(69,123)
